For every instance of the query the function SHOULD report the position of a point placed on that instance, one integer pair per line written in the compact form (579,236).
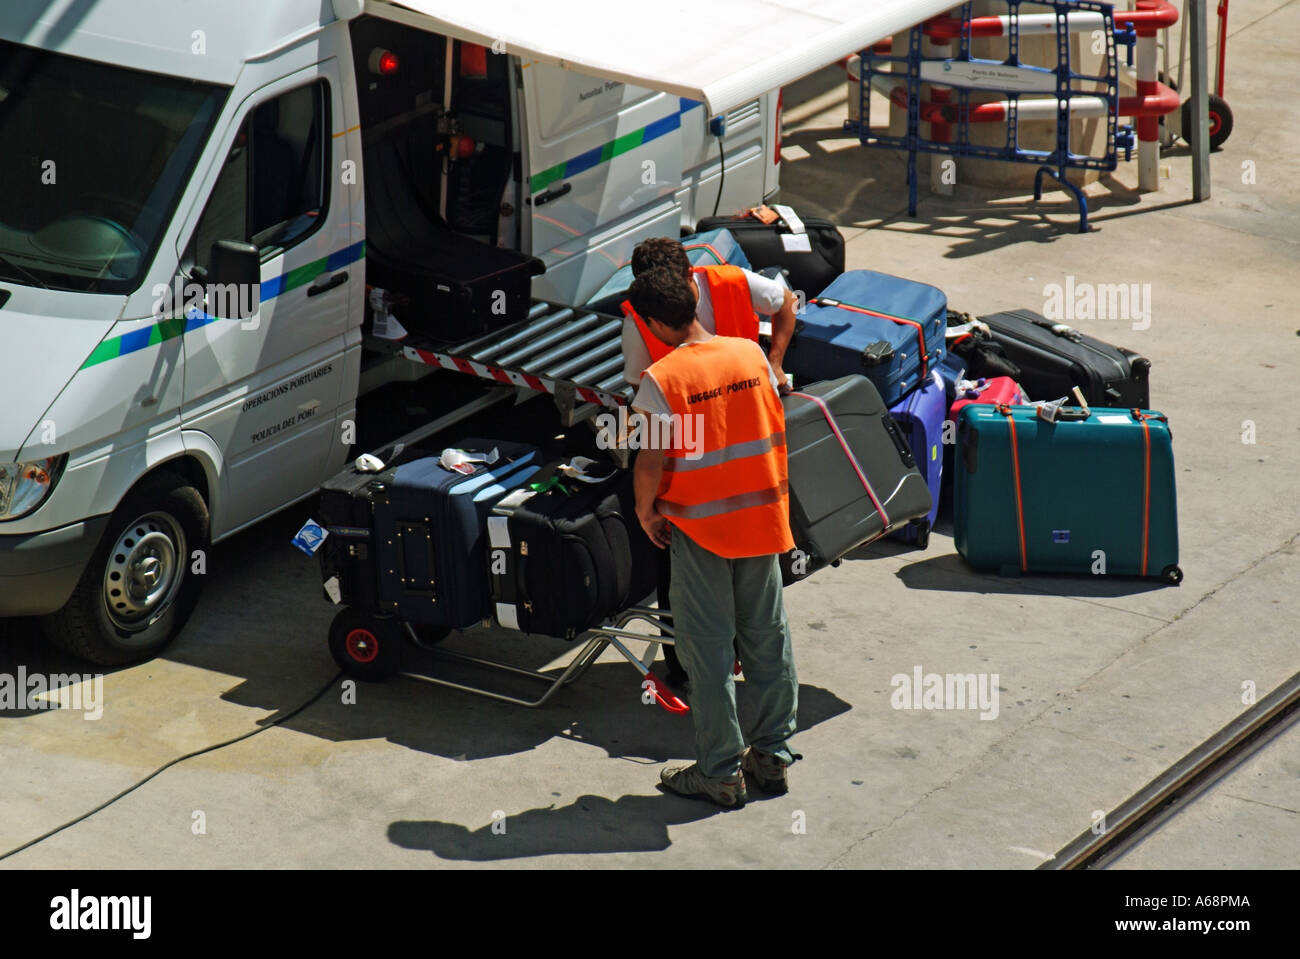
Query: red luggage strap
(1005,410)
(920,330)
(853,460)
(722,260)
(1143,418)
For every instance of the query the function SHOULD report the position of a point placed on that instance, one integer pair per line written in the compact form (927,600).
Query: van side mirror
(234,280)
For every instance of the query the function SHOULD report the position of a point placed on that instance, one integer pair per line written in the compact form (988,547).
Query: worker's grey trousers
(715,601)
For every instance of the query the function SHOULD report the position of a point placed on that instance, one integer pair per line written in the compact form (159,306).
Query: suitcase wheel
(923,534)
(364,646)
(1172,575)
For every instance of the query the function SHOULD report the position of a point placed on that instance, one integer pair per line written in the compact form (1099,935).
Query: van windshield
(93,160)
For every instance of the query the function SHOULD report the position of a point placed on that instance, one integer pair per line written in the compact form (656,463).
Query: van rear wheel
(138,589)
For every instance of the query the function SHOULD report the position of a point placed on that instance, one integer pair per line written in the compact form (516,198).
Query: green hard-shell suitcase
(1092,492)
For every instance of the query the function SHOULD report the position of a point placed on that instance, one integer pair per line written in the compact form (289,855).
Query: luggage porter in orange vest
(729,492)
(732,309)
(719,503)
(730,302)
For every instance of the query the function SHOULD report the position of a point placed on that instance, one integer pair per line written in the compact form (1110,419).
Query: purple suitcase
(921,415)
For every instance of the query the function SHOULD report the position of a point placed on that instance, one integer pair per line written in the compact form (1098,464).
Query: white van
(146,147)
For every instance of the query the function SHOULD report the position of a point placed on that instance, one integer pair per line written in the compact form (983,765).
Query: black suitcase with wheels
(814,256)
(565,554)
(852,476)
(409,541)
(347,513)
(1053,358)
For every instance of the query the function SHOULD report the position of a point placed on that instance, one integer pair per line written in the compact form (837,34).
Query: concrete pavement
(1102,682)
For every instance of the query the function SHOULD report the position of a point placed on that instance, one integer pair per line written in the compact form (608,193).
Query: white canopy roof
(724,52)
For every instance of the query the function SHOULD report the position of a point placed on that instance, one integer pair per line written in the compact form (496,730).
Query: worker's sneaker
(688,781)
(765,771)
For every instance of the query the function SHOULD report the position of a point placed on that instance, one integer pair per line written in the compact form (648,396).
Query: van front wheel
(139,588)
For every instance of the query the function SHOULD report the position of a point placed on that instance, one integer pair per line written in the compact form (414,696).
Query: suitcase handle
(1072,414)
(900,444)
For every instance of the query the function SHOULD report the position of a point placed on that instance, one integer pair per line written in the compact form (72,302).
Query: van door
(266,388)
(604,165)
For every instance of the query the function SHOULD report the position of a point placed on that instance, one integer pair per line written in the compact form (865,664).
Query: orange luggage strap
(920,330)
(1015,472)
(1143,418)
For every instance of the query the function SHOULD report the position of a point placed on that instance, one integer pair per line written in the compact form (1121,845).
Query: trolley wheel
(923,534)
(364,646)
(1220,121)
(1172,575)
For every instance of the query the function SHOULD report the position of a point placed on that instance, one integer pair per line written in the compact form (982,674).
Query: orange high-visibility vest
(729,492)
(733,308)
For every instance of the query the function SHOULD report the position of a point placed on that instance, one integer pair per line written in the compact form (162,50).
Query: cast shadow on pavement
(589,824)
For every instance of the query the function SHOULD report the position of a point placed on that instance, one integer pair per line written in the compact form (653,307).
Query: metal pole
(1199,135)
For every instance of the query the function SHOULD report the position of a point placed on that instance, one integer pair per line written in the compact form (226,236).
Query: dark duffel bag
(1053,358)
(567,552)
(812,251)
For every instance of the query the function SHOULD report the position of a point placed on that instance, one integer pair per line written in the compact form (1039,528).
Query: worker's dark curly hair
(663,295)
(660,251)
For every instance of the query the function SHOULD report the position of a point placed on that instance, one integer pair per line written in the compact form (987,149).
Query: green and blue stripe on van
(615,147)
(172,327)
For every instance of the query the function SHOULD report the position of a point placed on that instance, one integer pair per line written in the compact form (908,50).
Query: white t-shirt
(767,296)
(650,398)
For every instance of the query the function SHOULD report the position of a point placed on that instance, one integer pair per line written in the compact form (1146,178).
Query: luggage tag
(579,468)
(309,538)
(459,461)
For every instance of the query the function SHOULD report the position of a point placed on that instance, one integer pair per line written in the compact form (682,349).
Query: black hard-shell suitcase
(566,553)
(348,552)
(852,476)
(1053,358)
(810,270)
(348,515)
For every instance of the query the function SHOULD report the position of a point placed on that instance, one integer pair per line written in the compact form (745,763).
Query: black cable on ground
(165,766)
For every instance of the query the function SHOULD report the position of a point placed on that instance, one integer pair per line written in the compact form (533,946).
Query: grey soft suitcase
(853,478)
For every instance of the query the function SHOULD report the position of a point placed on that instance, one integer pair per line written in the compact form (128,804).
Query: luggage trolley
(367,646)
(575,355)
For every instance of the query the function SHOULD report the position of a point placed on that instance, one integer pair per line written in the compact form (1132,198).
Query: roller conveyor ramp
(570,352)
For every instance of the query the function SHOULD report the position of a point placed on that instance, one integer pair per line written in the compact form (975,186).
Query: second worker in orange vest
(717,498)
(729,302)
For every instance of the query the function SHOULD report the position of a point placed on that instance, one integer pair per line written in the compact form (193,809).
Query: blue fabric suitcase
(921,415)
(886,328)
(1090,494)
(711,248)
(430,533)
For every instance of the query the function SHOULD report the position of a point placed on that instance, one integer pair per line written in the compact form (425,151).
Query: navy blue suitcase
(886,328)
(921,415)
(430,533)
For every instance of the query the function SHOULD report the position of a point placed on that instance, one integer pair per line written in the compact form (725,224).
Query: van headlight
(25,486)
